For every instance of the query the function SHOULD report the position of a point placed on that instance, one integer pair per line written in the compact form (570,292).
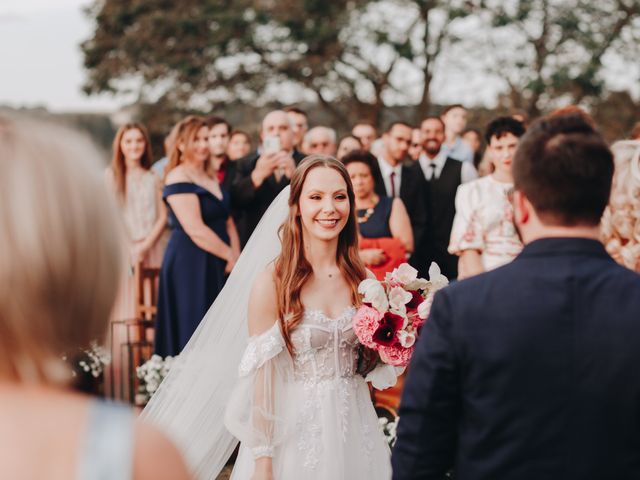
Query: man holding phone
(262,174)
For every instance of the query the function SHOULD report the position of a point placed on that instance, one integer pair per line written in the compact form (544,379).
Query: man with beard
(396,176)
(443,175)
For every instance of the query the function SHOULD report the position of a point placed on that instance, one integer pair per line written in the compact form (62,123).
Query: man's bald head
(277,124)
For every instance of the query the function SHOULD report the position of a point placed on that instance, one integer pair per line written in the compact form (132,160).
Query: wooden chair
(139,331)
(146,279)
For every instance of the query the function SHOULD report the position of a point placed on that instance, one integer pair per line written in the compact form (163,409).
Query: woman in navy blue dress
(204,243)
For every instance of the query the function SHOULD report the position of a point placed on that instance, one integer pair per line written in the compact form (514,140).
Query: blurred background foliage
(350,60)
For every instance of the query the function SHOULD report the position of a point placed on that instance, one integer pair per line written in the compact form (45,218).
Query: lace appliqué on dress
(325,359)
(260,349)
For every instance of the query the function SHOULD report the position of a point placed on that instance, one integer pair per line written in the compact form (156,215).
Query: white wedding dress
(313,414)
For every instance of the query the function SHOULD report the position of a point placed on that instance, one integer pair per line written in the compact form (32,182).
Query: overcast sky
(40,60)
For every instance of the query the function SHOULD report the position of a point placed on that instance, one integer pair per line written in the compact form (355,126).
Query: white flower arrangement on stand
(151,374)
(95,360)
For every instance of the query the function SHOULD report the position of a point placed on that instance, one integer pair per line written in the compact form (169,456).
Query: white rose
(406,339)
(436,278)
(398,298)
(404,274)
(373,293)
(423,309)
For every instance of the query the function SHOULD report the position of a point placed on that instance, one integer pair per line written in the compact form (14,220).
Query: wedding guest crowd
(529,371)
(419,198)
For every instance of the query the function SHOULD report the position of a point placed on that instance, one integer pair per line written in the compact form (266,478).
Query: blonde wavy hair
(620,225)
(292,269)
(61,249)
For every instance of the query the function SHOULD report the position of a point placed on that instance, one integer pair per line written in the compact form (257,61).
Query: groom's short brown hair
(564,167)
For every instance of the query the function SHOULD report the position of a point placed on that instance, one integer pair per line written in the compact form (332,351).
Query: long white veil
(190,403)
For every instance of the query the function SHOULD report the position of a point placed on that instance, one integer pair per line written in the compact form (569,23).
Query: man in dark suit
(262,174)
(530,371)
(397,177)
(443,175)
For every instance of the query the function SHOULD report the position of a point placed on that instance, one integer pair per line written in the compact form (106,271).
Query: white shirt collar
(438,161)
(386,169)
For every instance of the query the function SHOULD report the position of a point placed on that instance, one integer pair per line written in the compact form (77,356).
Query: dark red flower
(416,300)
(386,332)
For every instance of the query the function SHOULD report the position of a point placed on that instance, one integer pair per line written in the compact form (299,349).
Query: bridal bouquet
(394,311)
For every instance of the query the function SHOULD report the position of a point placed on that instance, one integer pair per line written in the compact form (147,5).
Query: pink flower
(365,323)
(397,356)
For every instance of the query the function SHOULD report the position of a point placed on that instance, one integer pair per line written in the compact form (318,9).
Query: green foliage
(354,57)
(212,52)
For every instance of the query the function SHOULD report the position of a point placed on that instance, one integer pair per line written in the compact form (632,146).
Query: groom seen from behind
(530,371)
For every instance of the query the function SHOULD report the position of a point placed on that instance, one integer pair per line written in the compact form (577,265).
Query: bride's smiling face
(324,204)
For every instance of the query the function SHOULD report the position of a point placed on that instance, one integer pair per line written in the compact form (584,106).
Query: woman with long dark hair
(139,194)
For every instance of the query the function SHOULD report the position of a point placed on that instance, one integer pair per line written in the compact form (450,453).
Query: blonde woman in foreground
(61,252)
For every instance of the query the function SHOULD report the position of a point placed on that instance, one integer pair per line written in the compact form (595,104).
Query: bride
(299,407)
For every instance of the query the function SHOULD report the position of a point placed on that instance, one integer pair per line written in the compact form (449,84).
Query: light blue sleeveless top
(107,450)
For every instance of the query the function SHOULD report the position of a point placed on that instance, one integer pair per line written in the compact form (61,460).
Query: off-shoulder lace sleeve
(255,413)
(467,232)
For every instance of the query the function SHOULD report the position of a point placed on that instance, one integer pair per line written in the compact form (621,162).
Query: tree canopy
(356,58)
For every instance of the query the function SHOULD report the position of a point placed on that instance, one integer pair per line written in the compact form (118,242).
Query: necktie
(392,176)
(432,171)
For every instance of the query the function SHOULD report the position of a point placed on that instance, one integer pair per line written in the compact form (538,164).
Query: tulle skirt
(335,435)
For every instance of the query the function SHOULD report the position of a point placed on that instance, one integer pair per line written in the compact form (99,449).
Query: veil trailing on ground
(189,406)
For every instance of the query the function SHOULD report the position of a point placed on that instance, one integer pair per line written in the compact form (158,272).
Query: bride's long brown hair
(292,269)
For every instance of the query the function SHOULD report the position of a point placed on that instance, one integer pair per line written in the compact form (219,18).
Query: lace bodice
(307,409)
(325,348)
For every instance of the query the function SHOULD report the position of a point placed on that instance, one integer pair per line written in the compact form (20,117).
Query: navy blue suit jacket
(528,372)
